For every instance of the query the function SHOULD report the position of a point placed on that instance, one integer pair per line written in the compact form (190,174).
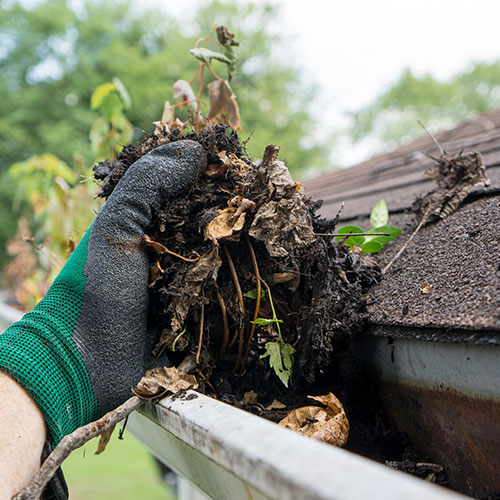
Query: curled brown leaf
(164,380)
(223,102)
(327,423)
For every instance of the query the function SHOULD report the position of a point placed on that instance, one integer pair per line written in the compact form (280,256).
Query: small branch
(53,259)
(163,249)
(441,150)
(257,301)
(187,101)
(352,234)
(200,339)
(223,309)
(236,281)
(408,241)
(197,71)
(73,441)
(240,299)
(234,338)
(214,73)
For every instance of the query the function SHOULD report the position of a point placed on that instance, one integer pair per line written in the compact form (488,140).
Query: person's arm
(22,437)
(87,343)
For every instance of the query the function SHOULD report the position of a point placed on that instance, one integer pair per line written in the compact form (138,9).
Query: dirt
(238,208)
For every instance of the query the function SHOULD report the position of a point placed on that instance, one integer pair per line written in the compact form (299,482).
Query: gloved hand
(84,346)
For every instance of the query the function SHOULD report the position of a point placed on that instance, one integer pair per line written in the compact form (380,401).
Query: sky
(355,49)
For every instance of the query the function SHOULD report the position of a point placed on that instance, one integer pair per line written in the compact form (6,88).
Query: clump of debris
(241,285)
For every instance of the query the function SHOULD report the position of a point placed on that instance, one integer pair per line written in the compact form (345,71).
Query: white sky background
(355,49)
(369,43)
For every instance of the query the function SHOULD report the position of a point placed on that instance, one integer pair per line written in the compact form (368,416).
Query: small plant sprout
(366,240)
(223,106)
(280,353)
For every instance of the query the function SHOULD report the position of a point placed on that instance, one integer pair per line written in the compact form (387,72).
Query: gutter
(229,454)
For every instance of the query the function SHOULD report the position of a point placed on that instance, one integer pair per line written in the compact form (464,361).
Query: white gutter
(230,454)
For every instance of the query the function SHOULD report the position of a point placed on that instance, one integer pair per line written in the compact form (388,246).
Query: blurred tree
(392,117)
(53,55)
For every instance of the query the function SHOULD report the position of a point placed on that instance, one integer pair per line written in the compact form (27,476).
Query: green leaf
(371,247)
(100,93)
(252,294)
(280,359)
(122,92)
(392,230)
(380,214)
(265,321)
(206,56)
(353,240)
(287,352)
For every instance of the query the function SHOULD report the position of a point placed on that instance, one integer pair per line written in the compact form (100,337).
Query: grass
(124,471)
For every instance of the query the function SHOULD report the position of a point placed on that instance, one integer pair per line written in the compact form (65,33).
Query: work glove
(86,344)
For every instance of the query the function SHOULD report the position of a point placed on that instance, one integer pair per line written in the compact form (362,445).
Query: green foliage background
(53,57)
(392,116)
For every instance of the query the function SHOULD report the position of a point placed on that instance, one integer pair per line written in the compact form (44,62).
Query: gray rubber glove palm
(84,346)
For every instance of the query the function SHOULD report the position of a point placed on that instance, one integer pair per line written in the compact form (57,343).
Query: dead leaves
(327,423)
(228,224)
(223,103)
(164,380)
(283,222)
(455,176)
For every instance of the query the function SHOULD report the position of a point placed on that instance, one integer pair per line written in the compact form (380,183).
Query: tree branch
(73,441)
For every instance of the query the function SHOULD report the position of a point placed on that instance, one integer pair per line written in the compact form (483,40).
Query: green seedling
(280,353)
(379,218)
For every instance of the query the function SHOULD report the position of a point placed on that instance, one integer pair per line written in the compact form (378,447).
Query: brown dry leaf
(283,226)
(216,171)
(223,102)
(182,90)
(276,405)
(156,272)
(230,221)
(204,270)
(328,424)
(104,440)
(249,397)
(225,226)
(234,163)
(163,380)
(427,288)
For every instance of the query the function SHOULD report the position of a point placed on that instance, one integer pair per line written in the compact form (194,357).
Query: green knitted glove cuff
(39,352)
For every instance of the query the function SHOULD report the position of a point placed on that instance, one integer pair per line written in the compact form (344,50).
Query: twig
(163,249)
(233,339)
(223,309)
(257,301)
(214,73)
(73,441)
(53,259)
(352,234)
(200,339)
(441,150)
(408,241)
(197,69)
(240,299)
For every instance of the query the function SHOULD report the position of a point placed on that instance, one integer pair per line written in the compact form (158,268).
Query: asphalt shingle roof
(458,257)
